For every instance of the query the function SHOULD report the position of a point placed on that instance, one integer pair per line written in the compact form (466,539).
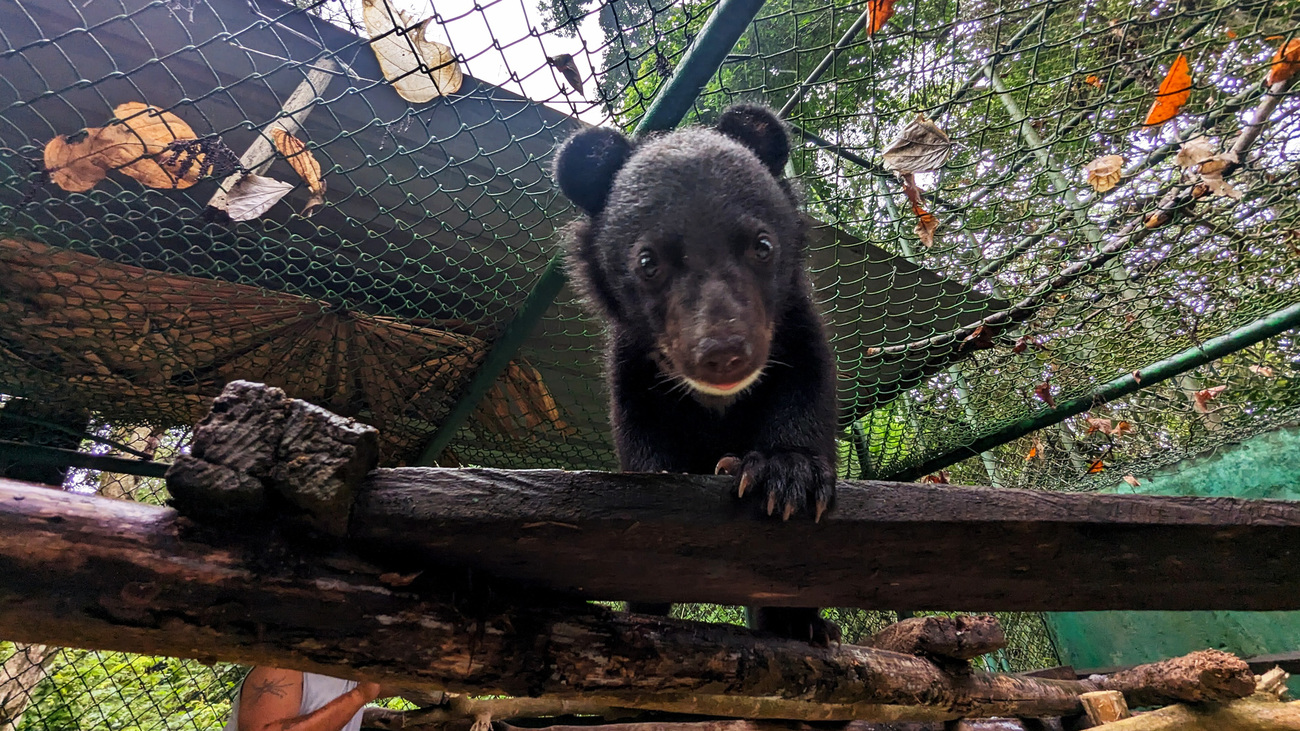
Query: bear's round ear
(586,165)
(757,128)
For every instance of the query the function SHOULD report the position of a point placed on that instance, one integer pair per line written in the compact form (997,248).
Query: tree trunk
(18,678)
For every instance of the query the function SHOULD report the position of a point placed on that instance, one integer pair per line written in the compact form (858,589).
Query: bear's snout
(723,361)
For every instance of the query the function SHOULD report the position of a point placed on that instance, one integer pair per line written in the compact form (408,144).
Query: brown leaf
(1285,62)
(1204,396)
(938,478)
(1105,172)
(926,223)
(396,579)
(1130,479)
(1035,449)
(419,69)
(1196,151)
(1137,376)
(1260,370)
(568,68)
(1097,423)
(304,163)
(1096,467)
(1121,428)
(1093,81)
(920,146)
(878,13)
(133,146)
(981,338)
(1175,90)
(1231,34)
(1044,392)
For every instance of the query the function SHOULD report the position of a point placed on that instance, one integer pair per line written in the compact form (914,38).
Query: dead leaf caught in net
(1286,62)
(304,163)
(568,68)
(1131,480)
(926,223)
(1204,396)
(1175,90)
(1260,370)
(938,478)
(1044,392)
(920,146)
(1096,467)
(134,146)
(1105,172)
(878,13)
(419,69)
(1196,151)
(254,195)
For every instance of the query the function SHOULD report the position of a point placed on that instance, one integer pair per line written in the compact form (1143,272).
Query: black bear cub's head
(693,243)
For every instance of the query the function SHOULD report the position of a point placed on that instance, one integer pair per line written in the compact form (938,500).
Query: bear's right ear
(586,165)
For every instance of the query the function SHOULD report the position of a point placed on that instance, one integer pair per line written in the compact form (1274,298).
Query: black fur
(693,250)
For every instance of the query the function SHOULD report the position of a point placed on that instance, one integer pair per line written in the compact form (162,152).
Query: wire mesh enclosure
(1101,278)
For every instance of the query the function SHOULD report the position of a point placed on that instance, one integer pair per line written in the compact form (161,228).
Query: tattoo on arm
(268,686)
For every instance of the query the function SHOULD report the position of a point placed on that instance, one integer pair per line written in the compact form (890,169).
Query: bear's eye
(762,248)
(649,264)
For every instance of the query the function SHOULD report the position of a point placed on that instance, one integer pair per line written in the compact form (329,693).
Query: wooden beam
(884,545)
(84,571)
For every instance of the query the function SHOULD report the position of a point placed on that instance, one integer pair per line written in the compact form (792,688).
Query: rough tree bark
(90,572)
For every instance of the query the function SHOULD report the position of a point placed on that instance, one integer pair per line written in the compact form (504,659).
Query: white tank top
(317,690)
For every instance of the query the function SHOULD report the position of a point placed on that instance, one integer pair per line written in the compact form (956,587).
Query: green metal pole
(716,39)
(38,454)
(1243,337)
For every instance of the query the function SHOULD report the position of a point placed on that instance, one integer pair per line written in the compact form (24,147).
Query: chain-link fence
(1000,320)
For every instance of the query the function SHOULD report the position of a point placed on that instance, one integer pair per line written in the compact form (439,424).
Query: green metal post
(716,39)
(1213,349)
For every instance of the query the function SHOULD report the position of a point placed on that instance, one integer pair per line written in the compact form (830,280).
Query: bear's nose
(724,360)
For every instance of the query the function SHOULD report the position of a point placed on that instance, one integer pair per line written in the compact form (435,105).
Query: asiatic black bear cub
(693,250)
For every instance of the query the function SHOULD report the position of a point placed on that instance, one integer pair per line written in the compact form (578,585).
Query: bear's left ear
(757,128)
(586,165)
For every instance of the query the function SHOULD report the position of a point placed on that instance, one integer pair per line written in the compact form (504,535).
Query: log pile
(226,581)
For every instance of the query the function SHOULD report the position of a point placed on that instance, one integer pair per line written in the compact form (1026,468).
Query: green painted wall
(1265,466)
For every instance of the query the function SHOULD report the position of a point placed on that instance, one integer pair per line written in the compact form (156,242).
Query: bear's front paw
(786,481)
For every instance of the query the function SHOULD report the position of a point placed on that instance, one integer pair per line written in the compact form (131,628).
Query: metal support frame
(1213,349)
(716,39)
(39,454)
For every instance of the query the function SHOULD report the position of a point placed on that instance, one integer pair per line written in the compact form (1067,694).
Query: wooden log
(884,545)
(382,719)
(957,638)
(1242,715)
(256,441)
(1204,676)
(85,571)
(1104,706)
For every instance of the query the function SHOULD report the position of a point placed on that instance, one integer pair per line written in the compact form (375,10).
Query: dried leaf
(396,579)
(133,146)
(1130,479)
(304,163)
(1137,376)
(1035,449)
(1097,423)
(1194,152)
(254,195)
(1175,90)
(981,338)
(564,63)
(1204,396)
(938,478)
(419,69)
(920,146)
(1096,467)
(1212,175)
(1093,81)
(1286,62)
(1259,370)
(1231,34)
(1104,172)
(878,13)
(1044,392)
(926,223)
(1121,429)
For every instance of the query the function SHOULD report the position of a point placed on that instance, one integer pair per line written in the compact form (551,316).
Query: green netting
(124,308)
